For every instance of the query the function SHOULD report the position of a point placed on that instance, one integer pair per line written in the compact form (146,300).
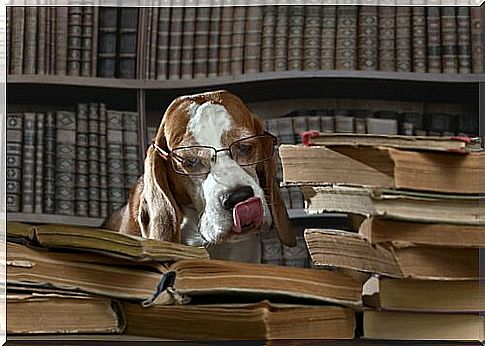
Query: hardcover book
(403,39)
(463,39)
(252,39)
(268,39)
(39,164)
(346,42)
(107,45)
(28,162)
(295,37)
(419,39)
(82,160)
(214,37)
(237,41)
(163,47)
(434,39)
(127,43)
(476,29)
(74,41)
(449,40)
(188,35)
(14,161)
(328,37)
(281,38)
(225,41)
(201,41)
(368,38)
(311,38)
(387,38)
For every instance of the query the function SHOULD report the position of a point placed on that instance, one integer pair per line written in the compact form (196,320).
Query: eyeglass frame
(168,154)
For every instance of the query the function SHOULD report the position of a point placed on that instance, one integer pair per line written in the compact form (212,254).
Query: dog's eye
(244,149)
(191,162)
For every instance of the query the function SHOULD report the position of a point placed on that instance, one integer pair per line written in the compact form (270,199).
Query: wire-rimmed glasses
(198,159)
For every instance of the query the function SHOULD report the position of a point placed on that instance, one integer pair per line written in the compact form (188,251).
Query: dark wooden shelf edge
(57,219)
(244,78)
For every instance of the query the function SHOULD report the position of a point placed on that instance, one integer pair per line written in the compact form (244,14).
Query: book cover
(419,39)
(14,161)
(295,37)
(93,160)
(346,42)
(281,38)
(17,39)
(86,41)
(387,38)
(28,162)
(175,52)
(152,38)
(311,38)
(131,151)
(127,43)
(39,164)
(30,40)
(225,41)
(103,162)
(188,35)
(434,39)
(476,28)
(368,38)
(49,184)
(74,40)
(463,39)
(82,160)
(268,39)
(115,157)
(107,45)
(201,41)
(215,21)
(237,40)
(328,37)
(61,39)
(449,40)
(163,46)
(252,39)
(403,39)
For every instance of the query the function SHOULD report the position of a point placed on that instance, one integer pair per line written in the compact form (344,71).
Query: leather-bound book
(201,41)
(50,130)
(188,34)
(127,42)
(65,162)
(449,40)
(148,41)
(237,45)
(403,39)
(476,25)
(95,47)
(463,39)
(17,40)
(311,38)
(419,39)
(14,161)
(28,162)
(434,39)
(87,41)
(82,160)
(152,38)
(163,47)
(225,41)
(252,39)
(114,151)
(368,38)
(175,52)
(268,39)
(387,38)
(61,37)
(281,38)
(214,36)
(346,43)
(295,37)
(39,164)
(74,41)
(328,37)
(107,45)
(131,151)
(41,41)
(52,40)
(30,40)
(93,160)
(103,162)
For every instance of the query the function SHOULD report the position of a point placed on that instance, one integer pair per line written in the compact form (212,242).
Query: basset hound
(209,180)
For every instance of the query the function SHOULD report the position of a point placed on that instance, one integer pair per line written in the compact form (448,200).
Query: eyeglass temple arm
(160,151)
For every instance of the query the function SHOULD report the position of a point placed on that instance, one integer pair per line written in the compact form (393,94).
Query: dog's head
(212,156)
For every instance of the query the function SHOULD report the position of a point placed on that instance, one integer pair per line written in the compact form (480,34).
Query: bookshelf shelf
(56,219)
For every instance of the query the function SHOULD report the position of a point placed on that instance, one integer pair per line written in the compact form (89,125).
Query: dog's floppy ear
(267,178)
(158,214)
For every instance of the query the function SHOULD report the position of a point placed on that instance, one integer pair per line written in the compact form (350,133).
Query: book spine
(448,40)
(188,35)
(328,37)
(175,53)
(268,39)
(65,162)
(201,41)
(74,43)
(30,40)
(127,43)
(271,250)
(296,256)
(299,126)
(94,48)
(281,38)
(82,158)
(476,25)
(419,39)
(47,56)
(214,37)
(52,38)
(17,39)
(39,164)
(346,43)
(403,39)
(8,22)
(237,45)
(131,149)
(14,161)
(28,163)
(114,151)
(368,38)
(49,206)
(152,53)
(387,38)
(434,40)
(311,38)
(61,40)
(463,29)
(41,41)
(295,38)
(108,19)
(163,43)
(93,160)
(87,41)
(103,163)
(225,41)
(252,44)
(148,41)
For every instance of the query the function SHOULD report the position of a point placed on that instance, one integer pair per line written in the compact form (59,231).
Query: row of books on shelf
(198,42)
(71,162)
(75,41)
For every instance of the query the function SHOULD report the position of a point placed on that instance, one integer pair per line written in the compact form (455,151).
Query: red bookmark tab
(306,137)
(461,139)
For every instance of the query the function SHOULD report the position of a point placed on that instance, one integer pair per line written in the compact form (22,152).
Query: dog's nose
(231,198)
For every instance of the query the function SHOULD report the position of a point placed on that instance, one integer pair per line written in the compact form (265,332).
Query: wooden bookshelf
(55,219)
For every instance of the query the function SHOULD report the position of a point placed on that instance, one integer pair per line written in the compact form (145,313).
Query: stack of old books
(415,202)
(121,284)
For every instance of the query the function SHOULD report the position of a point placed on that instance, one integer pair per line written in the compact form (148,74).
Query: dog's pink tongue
(247,212)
